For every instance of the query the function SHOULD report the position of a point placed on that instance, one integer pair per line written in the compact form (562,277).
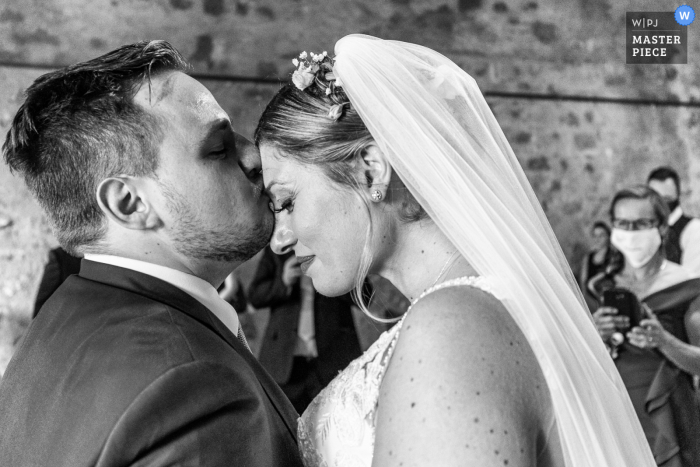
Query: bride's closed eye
(286,204)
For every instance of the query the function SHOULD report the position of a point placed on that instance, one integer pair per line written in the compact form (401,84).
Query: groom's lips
(305,262)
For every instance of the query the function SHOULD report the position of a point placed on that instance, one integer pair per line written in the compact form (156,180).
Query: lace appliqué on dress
(340,420)
(338,427)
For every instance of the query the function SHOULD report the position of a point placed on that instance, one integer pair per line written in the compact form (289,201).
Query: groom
(136,360)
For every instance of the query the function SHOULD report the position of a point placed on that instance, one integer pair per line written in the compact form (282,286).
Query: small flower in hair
(336,111)
(333,77)
(308,66)
(303,77)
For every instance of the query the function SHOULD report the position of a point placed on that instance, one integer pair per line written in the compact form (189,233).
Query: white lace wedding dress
(337,429)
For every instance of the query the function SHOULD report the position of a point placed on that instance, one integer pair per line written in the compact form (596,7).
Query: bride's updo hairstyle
(312,121)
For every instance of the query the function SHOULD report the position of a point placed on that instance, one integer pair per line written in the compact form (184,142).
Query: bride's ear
(376,170)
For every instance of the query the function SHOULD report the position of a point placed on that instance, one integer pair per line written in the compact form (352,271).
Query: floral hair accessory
(318,68)
(308,66)
(336,111)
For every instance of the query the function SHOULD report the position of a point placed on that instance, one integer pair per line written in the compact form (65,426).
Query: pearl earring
(376,195)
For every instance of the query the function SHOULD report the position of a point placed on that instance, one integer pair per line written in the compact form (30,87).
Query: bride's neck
(422,257)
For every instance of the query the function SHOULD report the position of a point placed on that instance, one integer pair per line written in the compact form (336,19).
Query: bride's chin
(330,289)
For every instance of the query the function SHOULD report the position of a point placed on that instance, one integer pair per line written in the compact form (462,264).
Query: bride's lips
(305,262)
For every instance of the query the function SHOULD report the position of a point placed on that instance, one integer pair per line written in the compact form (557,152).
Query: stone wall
(574,153)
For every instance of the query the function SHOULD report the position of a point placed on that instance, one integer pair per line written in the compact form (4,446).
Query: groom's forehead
(178,96)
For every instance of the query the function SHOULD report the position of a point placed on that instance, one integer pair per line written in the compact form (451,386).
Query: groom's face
(208,187)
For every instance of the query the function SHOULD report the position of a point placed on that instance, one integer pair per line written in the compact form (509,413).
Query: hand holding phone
(626,304)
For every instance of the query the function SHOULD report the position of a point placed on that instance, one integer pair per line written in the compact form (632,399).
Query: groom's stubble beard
(222,243)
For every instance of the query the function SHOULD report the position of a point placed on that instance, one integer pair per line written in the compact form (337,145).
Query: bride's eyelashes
(286,205)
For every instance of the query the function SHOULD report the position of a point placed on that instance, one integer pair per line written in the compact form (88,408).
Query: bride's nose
(283,239)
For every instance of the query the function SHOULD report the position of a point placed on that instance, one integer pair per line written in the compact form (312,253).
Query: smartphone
(626,303)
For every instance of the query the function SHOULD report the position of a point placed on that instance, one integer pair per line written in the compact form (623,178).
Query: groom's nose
(283,238)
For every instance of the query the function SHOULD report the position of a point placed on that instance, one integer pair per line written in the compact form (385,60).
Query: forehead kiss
(195,124)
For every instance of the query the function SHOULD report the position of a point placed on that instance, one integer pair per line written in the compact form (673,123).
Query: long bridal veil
(440,136)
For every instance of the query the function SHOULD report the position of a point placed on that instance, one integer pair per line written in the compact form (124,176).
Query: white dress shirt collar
(198,288)
(675,215)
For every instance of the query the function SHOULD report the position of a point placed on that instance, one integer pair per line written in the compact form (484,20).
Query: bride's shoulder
(470,321)
(457,308)
(462,369)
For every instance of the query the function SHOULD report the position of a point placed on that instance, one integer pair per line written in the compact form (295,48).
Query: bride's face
(323,222)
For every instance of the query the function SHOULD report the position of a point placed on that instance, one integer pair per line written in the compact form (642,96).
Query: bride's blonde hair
(297,123)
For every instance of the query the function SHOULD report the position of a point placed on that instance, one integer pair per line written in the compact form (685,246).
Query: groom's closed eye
(219,142)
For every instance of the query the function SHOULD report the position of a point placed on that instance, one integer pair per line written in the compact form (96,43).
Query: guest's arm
(583,276)
(690,244)
(686,356)
(267,289)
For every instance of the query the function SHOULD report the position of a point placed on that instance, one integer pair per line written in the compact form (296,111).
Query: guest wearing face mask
(683,240)
(658,358)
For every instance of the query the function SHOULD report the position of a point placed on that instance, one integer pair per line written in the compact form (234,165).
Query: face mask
(672,205)
(638,246)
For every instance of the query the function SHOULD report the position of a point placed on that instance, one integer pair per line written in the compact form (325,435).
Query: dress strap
(480,282)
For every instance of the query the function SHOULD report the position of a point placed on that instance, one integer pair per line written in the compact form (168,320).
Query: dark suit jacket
(336,338)
(121,368)
(59,267)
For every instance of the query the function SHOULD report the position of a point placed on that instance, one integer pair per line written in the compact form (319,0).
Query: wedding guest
(233,292)
(657,358)
(59,266)
(309,337)
(683,240)
(596,259)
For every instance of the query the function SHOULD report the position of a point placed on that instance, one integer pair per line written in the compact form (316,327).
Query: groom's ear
(376,169)
(121,200)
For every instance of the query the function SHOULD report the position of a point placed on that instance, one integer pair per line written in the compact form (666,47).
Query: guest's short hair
(80,125)
(661,211)
(664,173)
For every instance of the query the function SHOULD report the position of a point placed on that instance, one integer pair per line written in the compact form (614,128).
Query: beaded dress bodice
(338,427)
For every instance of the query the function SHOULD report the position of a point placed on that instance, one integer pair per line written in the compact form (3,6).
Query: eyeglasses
(636,224)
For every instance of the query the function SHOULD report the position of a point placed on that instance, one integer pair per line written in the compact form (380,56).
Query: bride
(387,160)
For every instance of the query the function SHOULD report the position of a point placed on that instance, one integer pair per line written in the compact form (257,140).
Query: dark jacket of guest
(59,266)
(123,369)
(336,339)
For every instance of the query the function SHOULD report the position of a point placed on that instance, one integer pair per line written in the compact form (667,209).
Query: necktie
(241,337)
(226,313)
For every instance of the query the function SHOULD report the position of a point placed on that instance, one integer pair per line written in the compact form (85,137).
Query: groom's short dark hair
(80,125)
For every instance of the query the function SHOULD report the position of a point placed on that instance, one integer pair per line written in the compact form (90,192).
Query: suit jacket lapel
(163,292)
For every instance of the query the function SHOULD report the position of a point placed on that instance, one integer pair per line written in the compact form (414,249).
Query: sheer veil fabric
(440,136)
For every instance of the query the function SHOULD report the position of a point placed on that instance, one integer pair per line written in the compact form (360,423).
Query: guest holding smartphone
(658,358)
